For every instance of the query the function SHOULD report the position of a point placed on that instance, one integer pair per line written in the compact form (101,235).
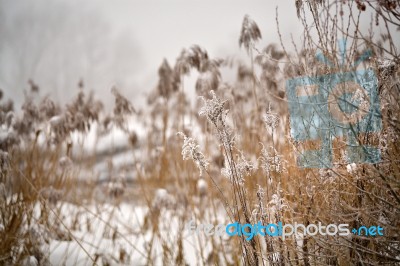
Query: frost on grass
(386,68)
(242,169)
(270,119)
(271,161)
(215,112)
(277,204)
(213,109)
(191,151)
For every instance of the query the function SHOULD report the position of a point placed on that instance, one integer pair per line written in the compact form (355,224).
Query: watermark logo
(249,231)
(343,104)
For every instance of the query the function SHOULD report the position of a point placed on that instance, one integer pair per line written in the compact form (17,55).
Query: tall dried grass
(244,162)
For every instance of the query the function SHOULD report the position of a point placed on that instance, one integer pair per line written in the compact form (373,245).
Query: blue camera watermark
(343,104)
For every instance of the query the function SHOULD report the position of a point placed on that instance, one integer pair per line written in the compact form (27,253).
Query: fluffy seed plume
(250,33)
(243,169)
(271,161)
(270,119)
(213,108)
(122,105)
(191,151)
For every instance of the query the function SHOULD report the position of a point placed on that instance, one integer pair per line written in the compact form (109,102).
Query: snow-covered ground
(102,231)
(122,235)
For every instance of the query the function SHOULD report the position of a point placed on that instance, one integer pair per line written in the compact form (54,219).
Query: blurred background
(85,185)
(121,43)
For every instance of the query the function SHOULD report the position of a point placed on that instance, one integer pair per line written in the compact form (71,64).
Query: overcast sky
(120,42)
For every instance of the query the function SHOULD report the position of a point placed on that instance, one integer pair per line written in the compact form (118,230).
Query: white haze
(122,43)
